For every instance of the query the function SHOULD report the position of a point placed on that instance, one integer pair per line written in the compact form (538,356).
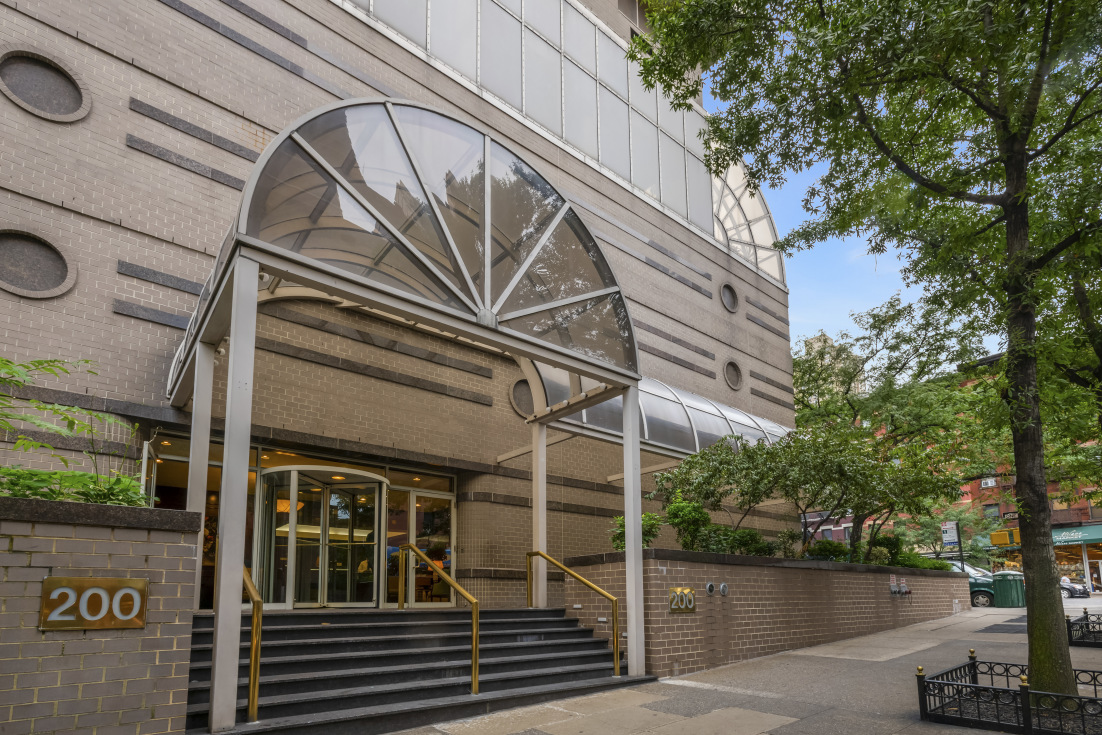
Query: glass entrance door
(426,518)
(316,537)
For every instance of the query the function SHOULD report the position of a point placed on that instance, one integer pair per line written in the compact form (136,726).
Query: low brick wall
(131,681)
(772,605)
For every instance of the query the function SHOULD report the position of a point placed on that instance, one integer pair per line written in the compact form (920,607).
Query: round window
(729,298)
(521,398)
(733,374)
(43,86)
(30,266)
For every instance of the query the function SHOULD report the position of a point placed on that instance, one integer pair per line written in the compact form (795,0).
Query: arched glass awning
(425,209)
(743,221)
(672,420)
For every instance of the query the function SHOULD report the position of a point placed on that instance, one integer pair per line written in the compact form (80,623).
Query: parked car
(981,585)
(1073,589)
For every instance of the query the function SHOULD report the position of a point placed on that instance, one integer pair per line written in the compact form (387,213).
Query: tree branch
(1070,125)
(906,169)
(1056,250)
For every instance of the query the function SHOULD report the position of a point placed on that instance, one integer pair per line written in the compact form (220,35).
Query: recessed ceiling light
(287,454)
(338,477)
(264,456)
(159,461)
(166,444)
(417,479)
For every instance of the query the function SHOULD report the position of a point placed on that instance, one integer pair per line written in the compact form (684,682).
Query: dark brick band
(673,338)
(772,399)
(767,326)
(152,149)
(159,277)
(149,314)
(758,305)
(675,360)
(193,130)
(769,381)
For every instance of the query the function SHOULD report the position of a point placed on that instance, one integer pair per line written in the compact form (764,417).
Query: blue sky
(836,277)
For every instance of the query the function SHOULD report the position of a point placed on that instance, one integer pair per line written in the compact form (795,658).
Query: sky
(835,278)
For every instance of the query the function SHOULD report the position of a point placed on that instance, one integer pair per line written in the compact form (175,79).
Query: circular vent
(521,398)
(43,86)
(733,374)
(729,298)
(30,266)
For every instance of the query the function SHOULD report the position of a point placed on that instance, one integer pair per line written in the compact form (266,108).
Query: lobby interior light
(283,505)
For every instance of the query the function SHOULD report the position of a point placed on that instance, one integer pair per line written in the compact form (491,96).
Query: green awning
(1077,535)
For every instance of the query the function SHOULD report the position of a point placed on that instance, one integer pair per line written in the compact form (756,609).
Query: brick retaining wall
(131,681)
(772,605)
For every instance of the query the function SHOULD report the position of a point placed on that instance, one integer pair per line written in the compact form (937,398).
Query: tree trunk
(1050,668)
(855,535)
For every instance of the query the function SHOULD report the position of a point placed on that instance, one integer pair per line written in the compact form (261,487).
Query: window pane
(695,124)
(671,120)
(709,427)
(454,33)
(450,158)
(542,83)
(501,58)
(408,17)
(667,422)
(578,38)
(642,99)
(597,328)
(522,205)
(362,145)
(615,149)
(569,264)
(299,207)
(700,194)
(614,67)
(581,108)
(673,174)
(644,154)
(543,15)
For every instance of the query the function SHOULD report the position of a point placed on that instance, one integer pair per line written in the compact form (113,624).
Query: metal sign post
(951,537)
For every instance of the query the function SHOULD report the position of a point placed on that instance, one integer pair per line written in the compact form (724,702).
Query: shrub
(912,560)
(828,550)
(652,526)
(81,487)
(893,545)
(786,542)
(880,556)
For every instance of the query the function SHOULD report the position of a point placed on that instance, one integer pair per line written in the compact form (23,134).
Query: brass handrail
(254,645)
(607,595)
(403,562)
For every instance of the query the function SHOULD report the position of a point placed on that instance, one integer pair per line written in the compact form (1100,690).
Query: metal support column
(539,511)
(199,455)
(633,535)
(228,582)
(1086,568)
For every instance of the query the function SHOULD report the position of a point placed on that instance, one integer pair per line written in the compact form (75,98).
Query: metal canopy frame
(228,308)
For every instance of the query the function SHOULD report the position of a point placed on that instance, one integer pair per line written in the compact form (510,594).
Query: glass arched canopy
(428,209)
(672,420)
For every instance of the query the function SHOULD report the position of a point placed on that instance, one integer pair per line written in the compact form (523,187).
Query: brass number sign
(79,603)
(682,600)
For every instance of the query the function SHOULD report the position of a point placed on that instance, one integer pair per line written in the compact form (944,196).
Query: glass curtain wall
(550,61)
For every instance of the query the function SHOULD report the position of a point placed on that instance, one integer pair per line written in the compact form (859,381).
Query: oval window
(733,375)
(729,298)
(43,86)
(521,398)
(32,267)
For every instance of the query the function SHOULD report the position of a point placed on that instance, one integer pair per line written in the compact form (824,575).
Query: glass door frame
(292,537)
(414,493)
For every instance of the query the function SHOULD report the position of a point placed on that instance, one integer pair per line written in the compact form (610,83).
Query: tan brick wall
(131,681)
(769,608)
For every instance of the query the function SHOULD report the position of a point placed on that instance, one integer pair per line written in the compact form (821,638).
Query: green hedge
(80,487)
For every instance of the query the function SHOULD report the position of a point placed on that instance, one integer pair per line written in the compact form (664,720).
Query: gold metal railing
(403,563)
(607,595)
(254,645)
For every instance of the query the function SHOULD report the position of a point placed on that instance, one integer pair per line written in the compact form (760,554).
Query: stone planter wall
(772,605)
(130,681)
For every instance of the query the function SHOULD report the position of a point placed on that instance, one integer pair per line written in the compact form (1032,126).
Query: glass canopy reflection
(671,418)
(399,196)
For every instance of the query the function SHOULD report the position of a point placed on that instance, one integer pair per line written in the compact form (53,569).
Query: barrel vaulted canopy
(434,218)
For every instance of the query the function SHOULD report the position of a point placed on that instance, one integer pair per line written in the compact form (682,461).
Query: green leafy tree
(965,134)
(924,532)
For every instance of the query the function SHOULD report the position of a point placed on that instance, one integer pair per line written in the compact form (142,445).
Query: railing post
(528,565)
(1067,626)
(615,637)
(1027,709)
(474,648)
(403,561)
(922,704)
(975,676)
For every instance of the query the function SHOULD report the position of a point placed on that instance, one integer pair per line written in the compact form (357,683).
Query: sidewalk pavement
(860,686)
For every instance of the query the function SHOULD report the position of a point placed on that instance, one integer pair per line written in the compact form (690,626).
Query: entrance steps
(378,671)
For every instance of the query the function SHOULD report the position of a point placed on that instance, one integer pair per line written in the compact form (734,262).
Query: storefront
(1078,553)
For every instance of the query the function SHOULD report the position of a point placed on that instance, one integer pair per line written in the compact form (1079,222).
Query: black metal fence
(1085,630)
(991,695)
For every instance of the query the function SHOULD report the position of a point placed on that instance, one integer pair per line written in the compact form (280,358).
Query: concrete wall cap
(91,514)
